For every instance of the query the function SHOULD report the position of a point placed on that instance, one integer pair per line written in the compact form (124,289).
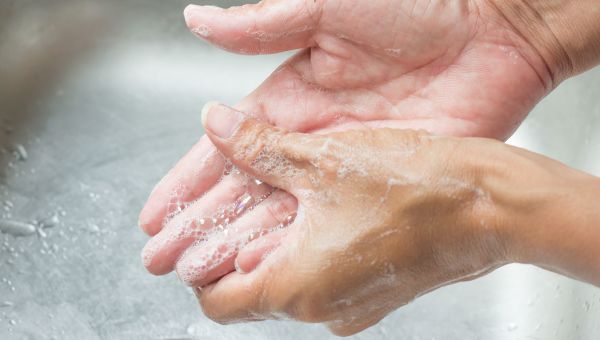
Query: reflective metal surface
(99,99)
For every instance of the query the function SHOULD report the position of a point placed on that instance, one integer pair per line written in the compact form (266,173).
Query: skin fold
(451,68)
(413,212)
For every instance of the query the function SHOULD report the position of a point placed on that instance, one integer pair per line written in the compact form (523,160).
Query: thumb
(280,158)
(270,26)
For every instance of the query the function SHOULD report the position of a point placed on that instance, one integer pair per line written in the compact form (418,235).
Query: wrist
(545,213)
(565,34)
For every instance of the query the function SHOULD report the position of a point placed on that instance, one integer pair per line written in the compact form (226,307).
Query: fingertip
(160,253)
(147,220)
(197,17)
(192,11)
(205,111)
(151,215)
(188,11)
(149,259)
(221,121)
(252,28)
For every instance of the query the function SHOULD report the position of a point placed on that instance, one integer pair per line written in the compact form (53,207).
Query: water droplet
(94,229)
(20,152)
(243,204)
(227,168)
(6,304)
(587,306)
(192,329)
(50,222)
(42,233)
(290,219)
(17,228)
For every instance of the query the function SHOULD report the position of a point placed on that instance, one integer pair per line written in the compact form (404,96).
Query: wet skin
(453,68)
(411,213)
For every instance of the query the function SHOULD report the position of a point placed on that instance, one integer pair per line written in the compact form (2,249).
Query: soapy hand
(449,67)
(385,216)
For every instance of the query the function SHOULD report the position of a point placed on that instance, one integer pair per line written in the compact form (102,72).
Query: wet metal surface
(99,99)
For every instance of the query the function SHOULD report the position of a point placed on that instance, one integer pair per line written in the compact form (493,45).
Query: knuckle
(254,141)
(282,208)
(329,156)
(294,301)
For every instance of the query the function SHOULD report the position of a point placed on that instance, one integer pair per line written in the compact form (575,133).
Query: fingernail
(220,119)
(207,107)
(191,10)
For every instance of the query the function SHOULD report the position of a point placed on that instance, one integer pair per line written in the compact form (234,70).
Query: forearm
(565,33)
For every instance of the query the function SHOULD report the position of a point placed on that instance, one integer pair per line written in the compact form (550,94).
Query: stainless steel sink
(99,99)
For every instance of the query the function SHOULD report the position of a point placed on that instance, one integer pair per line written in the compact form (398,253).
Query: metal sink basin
(99,99)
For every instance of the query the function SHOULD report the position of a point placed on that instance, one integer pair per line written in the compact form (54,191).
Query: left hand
(385,216)
(388,215)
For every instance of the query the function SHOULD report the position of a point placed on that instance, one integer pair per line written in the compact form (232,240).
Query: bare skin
(413,212)
(452,68)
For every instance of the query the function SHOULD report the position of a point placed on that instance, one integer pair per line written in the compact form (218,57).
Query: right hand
(449,67)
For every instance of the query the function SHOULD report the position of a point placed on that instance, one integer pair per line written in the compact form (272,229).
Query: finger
(208,261)
(197,172)
(267,27)
(222,204)
(280,158)
(238,297)
(250,256)
(264,293)
(238,305)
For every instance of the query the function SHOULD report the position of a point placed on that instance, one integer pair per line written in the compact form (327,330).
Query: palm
(449,68)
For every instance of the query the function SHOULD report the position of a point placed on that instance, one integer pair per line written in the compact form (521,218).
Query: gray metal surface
(99,99)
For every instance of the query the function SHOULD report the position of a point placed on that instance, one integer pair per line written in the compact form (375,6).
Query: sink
(98,99)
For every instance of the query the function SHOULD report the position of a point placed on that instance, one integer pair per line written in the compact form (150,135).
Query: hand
(451,68)
(388,215)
